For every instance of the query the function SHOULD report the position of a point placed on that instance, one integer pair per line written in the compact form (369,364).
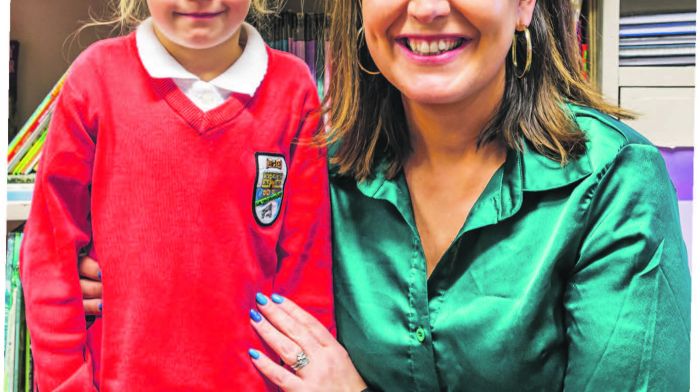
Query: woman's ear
(525,10)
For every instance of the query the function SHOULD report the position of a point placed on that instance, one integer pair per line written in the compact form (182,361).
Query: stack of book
(24,150)
(658,39)
(18,375)
(301,34)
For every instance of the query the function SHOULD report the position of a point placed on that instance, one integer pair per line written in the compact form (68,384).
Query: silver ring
(302,360)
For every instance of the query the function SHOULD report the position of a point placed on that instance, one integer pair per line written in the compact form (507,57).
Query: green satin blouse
(567,278)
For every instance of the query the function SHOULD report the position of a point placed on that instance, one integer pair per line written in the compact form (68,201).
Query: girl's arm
(57,229)
(304,249)
(628,301)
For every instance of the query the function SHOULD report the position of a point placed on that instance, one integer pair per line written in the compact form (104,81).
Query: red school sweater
(189,213)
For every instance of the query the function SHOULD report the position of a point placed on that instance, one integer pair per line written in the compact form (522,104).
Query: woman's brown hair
(366,115)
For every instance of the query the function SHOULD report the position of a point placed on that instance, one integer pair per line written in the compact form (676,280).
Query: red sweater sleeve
(304,249)
(57,228)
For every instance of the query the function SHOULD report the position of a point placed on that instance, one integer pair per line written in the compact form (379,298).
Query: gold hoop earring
(528,57)
(360,33)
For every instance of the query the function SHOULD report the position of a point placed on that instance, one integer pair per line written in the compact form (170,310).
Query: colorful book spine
(653,30)
(34,120)
(658,51)
(28,363)
(8,279)
(661,39)
(30,155)
(658,18)
(8,380)
(15,344)
(32,166)
(41,127)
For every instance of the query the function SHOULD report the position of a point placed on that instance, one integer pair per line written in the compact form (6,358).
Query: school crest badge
(269,187)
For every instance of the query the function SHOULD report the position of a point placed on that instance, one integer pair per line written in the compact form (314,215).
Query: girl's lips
(199,15)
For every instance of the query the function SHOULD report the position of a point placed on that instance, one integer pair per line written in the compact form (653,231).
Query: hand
(91,285)
(289,330)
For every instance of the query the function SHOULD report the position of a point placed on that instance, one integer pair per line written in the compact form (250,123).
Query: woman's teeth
(432,48)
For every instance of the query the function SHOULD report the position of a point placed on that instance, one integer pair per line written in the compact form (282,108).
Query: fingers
(92,307)
(90,285)
(89,268)
(286,324)
(91,289)
(306,320)
(277,374)
(281,344)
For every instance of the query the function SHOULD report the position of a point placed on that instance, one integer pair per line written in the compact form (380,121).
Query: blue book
(660,29)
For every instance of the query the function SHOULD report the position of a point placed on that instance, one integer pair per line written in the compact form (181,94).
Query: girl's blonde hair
(127,14)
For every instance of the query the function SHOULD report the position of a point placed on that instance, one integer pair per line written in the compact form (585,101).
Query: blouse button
(420,334)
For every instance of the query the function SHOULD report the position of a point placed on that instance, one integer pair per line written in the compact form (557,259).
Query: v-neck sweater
(165,196)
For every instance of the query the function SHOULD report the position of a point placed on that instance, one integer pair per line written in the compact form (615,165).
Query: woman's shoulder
(609,139)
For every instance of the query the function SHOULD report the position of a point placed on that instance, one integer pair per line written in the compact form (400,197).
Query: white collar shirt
(243,77)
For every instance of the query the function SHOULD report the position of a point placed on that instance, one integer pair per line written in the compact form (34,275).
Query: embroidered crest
(269,187)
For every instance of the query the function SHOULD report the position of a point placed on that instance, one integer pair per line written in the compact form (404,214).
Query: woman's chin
(431,96)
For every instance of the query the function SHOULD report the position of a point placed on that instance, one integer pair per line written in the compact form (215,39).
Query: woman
(494,227)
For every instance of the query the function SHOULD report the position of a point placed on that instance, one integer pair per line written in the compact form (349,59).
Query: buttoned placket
(426,295)
(419,326)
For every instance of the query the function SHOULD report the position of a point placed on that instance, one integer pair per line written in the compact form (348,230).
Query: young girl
(178,155)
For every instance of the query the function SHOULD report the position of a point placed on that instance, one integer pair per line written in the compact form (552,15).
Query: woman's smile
(441,52)
(432,49)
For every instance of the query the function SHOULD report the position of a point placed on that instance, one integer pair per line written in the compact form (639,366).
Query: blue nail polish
(261,299)
(255,315)
(276,298)
(100,307)
(255,354)
(99,275)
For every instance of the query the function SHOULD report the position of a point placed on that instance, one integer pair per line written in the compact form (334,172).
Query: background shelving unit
(662,97)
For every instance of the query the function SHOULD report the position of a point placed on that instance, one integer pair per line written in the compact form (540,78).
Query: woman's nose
(427,11)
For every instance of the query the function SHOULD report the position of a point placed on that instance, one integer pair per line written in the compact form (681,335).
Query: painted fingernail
(261,299)
(255,354)
(99,275)
(255,315)
(100,307)
(276,298)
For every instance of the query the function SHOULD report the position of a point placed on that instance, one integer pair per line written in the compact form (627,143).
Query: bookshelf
(662,97)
